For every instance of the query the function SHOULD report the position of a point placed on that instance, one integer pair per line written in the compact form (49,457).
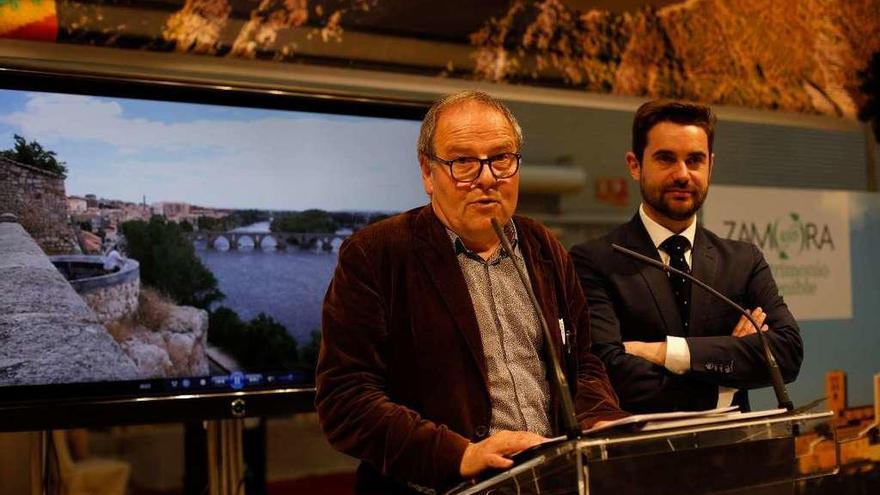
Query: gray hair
(429,123)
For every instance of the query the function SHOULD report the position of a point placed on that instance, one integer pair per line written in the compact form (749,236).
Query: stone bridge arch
(282,240)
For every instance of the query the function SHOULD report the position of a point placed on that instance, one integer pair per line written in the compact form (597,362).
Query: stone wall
(110,295)
(48,334)
(112,303)
(38,199)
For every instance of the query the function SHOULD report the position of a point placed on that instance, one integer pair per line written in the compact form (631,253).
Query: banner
(804,235)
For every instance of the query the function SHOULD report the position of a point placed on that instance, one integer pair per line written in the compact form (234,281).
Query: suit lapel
(656,280)
(704,269)
(437,257)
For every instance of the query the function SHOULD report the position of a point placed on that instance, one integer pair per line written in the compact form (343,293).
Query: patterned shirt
(511,335)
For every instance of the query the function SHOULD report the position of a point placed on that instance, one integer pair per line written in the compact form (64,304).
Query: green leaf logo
(795,217)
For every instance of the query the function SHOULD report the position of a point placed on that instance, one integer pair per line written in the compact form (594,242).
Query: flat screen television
(195,228)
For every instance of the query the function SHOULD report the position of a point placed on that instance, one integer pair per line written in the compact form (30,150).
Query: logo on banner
(787,237)
(795,249)
(804,237)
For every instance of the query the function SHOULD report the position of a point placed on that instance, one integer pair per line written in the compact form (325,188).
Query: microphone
(569,418)
(772,367)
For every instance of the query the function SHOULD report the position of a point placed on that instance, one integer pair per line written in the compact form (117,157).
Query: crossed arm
(657,352)
(732,357)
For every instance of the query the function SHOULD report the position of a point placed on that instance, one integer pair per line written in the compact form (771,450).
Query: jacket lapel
(542,279)
(656,280)
(540,270)
(704,269)
(437,258)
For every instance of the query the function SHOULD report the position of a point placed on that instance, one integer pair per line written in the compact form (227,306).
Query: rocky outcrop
(112,295)
(178,348)
(47,332)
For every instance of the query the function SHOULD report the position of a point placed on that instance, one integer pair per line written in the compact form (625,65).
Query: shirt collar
(660,233)
(509,232)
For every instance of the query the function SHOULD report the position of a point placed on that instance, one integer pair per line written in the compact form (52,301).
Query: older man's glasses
(468,168)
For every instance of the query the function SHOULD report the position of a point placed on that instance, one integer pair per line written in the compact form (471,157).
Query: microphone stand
(772,366)
(569,418)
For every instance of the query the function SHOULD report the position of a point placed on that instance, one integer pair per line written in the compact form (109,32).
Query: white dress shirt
(678,354)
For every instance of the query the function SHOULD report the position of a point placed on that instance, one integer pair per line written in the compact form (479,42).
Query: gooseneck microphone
(772,367)
(569,418)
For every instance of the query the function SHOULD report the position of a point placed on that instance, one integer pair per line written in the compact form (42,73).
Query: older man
(433,366)
(669,346)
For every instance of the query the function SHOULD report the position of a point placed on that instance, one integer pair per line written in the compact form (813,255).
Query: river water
(287,285)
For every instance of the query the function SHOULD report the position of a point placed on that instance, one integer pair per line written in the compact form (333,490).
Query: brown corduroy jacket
(401,377)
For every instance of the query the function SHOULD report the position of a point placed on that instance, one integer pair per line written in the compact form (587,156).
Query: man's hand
(493,451)
(652,351)
(744,326)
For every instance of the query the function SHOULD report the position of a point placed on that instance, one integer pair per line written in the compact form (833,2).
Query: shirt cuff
(725,396)
(678,355)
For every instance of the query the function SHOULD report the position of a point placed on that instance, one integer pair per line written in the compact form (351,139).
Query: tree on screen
(33,154)
(261,344)
(314,221)
(168,262)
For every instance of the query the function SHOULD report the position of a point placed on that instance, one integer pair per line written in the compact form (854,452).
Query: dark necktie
(675,247)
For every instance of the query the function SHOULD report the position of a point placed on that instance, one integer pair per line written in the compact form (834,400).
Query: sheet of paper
(702,420)
(663,416)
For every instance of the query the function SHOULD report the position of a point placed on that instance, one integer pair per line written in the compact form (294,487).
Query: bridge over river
(283,240)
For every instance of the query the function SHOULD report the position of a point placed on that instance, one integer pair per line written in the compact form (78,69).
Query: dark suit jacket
(630,300)
(401,377)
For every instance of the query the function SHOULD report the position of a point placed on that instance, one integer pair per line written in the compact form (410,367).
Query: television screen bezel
(72,405)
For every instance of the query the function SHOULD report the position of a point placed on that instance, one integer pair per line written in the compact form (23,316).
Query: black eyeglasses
(468,168)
